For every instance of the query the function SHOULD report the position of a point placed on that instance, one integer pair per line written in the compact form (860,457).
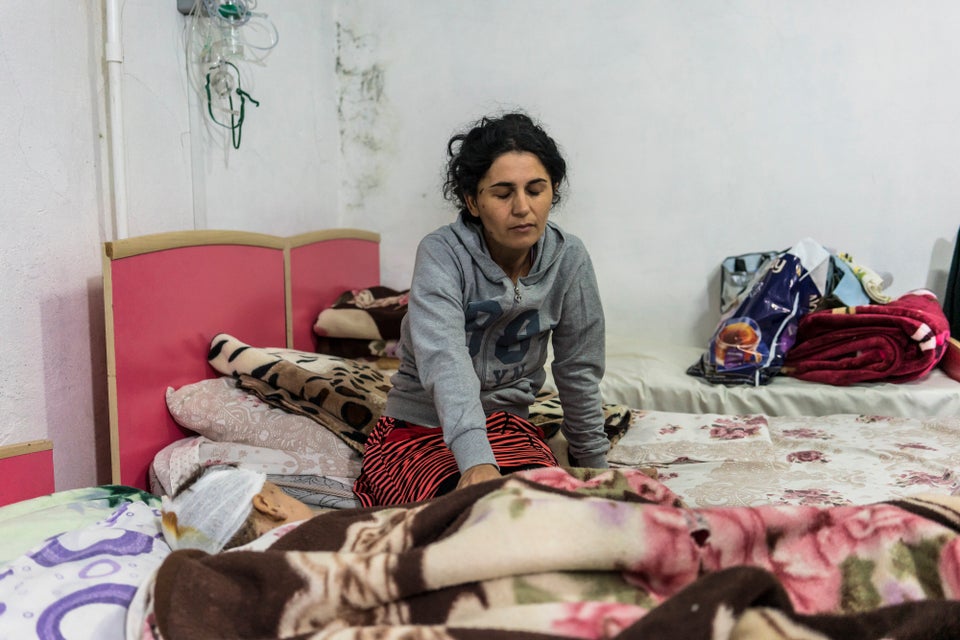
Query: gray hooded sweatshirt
(472,343)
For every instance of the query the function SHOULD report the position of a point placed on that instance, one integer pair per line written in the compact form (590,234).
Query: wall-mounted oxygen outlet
(220,37)
(186,7)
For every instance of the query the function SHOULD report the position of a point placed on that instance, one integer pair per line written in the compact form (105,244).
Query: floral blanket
(612,554)
(750,460)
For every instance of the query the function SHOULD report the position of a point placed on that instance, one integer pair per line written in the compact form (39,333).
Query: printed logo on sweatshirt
(512,343)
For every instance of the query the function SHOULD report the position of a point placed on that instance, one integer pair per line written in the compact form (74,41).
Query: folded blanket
(364,314)
(547,554)
(358,348)
(894,342)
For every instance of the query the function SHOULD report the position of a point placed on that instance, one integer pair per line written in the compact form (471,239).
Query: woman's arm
(578,365)
(478,474)
(446,370)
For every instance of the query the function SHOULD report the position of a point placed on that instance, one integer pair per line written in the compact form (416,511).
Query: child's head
(222,507)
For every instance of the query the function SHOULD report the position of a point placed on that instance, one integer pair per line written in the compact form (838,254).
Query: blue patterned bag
(753,336)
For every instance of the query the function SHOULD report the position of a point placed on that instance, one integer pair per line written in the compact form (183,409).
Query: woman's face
(513,201)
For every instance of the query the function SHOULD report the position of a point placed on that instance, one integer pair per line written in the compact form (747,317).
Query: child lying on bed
(222,507)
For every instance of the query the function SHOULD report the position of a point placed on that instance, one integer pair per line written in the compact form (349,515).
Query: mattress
(650,376)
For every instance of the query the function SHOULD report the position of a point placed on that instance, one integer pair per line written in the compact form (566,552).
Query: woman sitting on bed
(488,292)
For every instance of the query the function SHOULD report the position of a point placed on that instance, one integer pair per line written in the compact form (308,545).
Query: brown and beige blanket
(548,554)
(347,395)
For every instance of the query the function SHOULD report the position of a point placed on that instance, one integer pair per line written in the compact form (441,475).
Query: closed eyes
(532,191)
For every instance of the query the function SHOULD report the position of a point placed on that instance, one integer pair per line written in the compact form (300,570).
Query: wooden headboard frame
(166,295)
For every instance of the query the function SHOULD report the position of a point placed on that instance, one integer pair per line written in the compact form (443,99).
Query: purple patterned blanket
(547,554)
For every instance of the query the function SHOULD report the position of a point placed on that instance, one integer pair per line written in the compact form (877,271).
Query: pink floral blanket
(613,554)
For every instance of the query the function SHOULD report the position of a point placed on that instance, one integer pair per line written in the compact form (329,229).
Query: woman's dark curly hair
(470,155)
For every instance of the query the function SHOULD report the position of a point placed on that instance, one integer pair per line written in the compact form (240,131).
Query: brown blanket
(546,554)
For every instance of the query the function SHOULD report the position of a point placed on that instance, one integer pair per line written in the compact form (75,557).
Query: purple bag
(752,339)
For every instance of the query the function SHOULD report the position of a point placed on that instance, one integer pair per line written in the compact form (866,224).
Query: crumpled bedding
(23,524)
(546,554)
(78,578)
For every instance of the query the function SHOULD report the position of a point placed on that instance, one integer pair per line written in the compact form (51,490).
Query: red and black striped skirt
(408,463)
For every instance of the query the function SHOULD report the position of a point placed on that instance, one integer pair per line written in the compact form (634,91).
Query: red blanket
(895,342)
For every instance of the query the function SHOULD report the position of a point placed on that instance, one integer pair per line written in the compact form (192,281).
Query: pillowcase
(307,476)
(662,437)
(221,412)
(368,314)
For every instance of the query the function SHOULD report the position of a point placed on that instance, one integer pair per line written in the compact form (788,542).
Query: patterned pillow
(346,396)
(179,460)
(217,409)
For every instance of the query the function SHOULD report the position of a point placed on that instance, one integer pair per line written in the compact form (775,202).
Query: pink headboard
(166,295)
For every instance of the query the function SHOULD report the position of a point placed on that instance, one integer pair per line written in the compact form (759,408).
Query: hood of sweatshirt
(548,250)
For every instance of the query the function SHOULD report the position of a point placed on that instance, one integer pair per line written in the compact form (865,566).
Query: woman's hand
(477,474)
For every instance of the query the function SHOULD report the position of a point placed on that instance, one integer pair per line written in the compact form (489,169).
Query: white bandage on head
(211,511)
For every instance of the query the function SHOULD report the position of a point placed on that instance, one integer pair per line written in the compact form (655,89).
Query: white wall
(182,170)
(694,130)
(52,383)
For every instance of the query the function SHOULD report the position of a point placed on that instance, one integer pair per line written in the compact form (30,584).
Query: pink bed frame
(27,471)
(166,295)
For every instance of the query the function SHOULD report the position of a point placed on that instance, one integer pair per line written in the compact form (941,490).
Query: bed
(802,332)
(713,522)
(653,375)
